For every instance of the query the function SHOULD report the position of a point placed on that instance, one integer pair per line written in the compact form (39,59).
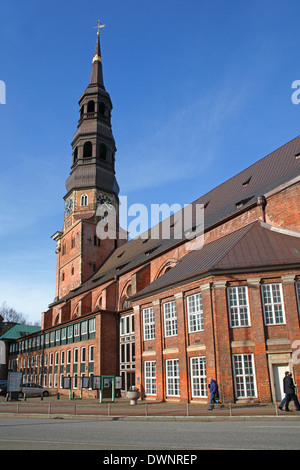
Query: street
(73,434)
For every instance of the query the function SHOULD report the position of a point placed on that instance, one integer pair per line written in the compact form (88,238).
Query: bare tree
(9,314)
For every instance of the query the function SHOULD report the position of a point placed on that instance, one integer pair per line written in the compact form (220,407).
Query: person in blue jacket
(214,394)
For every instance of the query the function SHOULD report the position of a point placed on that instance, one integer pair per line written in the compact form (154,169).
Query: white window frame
(68,356)
(270,307)
(83,352)
(84,200)
(76,330)
(198,377)
(75,356)
(238,306)
(170,318)
(172,378)
(91,356)
(195,312)
(148,323)
(92,325)
(84,327)
(243,377)
(150,377)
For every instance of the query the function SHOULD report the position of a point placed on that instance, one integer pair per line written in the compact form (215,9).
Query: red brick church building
(162,317)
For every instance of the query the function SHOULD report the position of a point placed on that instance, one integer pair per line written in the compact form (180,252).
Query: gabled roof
(255,246)
(225,201)
(19,331)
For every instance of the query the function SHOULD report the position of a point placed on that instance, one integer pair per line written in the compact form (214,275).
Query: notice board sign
(14,382)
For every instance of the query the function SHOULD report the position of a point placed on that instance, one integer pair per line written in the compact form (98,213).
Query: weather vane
(99,26)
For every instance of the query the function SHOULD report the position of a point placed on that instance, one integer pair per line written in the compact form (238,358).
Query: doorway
(278,374)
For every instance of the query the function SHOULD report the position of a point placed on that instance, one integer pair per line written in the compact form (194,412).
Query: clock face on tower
(104,200)
(68,207)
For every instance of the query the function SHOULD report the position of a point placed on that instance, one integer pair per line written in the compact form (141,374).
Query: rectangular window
(195,312)
(148,323)
(70,331)
(170,318)
(172,377)
(122,326)
(62,357)
(273,304)
(69,356)
(244,377)
(92,325)
(238,306)
(82,354)
(91,354)
(57,335)
(84,328)
(150,377)
(77,329)
(75,356)
(198,377)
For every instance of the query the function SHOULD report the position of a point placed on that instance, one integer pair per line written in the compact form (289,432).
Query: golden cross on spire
(99,26)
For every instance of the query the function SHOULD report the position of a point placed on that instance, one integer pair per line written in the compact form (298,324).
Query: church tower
(91,182)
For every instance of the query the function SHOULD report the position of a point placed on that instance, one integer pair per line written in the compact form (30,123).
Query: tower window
(87,149)
(102,109)
(102,151)
(82,111)
(75,154)
(91,106)
(84,200)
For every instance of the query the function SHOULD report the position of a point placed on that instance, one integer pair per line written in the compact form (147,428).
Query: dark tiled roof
(255,246)
(224,201)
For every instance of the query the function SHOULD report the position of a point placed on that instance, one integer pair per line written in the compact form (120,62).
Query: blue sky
(201,90)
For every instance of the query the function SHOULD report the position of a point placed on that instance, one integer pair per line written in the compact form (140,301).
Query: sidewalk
(64,408)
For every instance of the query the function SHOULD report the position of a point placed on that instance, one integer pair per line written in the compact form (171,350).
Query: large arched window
(87,149)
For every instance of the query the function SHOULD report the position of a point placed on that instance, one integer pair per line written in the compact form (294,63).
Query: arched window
(87,149)
(82,111)
(102,151)
(102,109)
(84,200)
(75,154)
(91,106)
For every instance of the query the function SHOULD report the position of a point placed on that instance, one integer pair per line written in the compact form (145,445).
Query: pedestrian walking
(214,394)
(287,372)
(289,390)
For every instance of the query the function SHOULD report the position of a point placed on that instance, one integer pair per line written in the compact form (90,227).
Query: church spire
(96,77)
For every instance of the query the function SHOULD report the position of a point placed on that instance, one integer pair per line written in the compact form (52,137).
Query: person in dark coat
(214,394)
(289,390)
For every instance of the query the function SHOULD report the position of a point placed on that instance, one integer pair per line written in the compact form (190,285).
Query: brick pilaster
(259,339)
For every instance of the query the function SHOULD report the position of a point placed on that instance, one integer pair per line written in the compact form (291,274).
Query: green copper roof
(18,331)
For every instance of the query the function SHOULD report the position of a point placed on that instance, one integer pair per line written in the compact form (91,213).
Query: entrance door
(278,371)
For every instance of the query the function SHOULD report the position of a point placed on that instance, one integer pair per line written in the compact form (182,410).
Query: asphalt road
(64,434)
